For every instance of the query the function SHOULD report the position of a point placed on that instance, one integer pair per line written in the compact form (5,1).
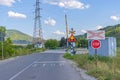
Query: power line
(37,33)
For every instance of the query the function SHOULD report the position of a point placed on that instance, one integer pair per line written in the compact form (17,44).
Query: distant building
(21,42)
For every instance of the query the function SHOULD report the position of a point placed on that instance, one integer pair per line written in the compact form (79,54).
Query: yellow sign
(72,38)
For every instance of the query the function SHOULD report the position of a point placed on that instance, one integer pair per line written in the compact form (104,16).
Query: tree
(7,44)
(8,48)
(82,42)
(51,43)
(2,29)
(62,42)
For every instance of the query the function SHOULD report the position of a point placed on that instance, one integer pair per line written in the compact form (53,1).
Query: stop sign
(95,44)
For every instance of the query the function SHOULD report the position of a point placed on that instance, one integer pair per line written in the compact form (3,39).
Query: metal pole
(96,59)
(66,29)
(2,51)
(2,39)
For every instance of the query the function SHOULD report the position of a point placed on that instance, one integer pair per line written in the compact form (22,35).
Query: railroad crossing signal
(96,34)
(72,37)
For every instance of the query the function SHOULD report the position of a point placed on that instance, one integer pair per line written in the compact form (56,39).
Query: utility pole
(37,33)
(66,29)
(2,51)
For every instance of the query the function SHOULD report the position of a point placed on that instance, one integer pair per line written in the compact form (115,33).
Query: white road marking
(52,64)
(35,65)
(13,77)
(17,74)
(61,64)
(44,65)
(36,62)
(42,62)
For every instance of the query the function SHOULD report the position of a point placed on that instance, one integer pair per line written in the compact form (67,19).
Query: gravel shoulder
(82,72)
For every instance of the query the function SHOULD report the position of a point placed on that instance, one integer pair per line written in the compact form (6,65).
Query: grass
(22,51)
(103,68)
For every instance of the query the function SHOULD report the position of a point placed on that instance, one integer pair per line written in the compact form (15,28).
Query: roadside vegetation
(51,44)
(10,50)
(103,68)
(55,44)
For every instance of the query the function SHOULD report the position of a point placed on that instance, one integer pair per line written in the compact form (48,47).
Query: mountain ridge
(17,35)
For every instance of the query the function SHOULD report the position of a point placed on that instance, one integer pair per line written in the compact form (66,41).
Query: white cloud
(115,18)
(8,2)
(83,31)
(16,15)
(50,22)
(71,4)
(59,32)
(99,27)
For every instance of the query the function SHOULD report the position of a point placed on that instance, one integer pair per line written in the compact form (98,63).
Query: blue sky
(82,15)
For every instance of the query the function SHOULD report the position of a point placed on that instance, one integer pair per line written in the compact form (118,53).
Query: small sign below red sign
(96,44)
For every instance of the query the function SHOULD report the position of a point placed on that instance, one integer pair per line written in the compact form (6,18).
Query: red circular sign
(95,44)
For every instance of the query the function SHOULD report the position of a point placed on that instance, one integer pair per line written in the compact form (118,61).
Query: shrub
(103,68)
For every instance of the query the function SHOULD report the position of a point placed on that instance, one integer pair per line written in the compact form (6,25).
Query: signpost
(96,44)
(72,40)
(2,40)
(96,36)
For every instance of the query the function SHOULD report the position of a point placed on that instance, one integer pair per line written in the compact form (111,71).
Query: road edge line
(13,77)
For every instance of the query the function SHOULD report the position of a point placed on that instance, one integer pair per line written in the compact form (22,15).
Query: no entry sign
(95,44)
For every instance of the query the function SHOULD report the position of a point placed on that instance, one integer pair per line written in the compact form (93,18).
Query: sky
(82,15)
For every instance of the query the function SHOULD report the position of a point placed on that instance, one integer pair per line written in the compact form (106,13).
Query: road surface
(48,65)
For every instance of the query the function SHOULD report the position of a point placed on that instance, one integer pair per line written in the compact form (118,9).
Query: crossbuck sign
(96,34)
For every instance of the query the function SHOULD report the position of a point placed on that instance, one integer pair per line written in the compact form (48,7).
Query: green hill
(113,31)
(110,31)
(17,35)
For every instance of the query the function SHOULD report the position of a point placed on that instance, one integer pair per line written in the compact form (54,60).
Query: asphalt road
(48,65)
